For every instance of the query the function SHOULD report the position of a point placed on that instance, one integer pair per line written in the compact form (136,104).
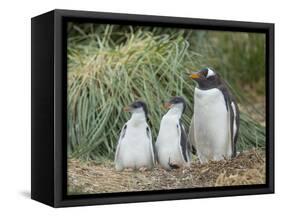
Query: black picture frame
(49,86)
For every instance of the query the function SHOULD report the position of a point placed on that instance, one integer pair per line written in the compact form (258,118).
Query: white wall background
(15,106)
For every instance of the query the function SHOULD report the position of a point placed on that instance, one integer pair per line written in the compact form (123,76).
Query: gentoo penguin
(135,149)
(171,144)
(215,123)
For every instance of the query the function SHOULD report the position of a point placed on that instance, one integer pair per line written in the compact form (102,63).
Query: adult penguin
(215,124)
(135,149)
(171,144)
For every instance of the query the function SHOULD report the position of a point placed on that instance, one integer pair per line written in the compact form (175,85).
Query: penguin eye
(205,73)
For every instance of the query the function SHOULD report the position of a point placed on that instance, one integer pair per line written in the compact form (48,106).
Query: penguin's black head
(206,79)
(137,106)
(176,101)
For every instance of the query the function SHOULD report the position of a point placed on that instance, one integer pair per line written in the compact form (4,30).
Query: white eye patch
(210,73)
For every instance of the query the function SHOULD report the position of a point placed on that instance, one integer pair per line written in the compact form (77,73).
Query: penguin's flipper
(233,110)
(191,140)
(235,122)
(183,141)
(152,147)
(122,135)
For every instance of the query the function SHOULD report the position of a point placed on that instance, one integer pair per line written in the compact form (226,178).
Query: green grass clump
(239,57)
(110,66)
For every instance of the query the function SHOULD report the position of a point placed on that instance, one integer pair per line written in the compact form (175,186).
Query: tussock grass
(110,66)
(239,57)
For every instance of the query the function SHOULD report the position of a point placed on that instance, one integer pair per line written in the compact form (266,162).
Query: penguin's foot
(129,169)
(143,169)
(173,164)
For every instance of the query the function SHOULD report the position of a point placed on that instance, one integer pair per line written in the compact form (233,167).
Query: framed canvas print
(133,108)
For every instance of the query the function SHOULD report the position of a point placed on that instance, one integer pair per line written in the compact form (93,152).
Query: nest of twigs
(89,177)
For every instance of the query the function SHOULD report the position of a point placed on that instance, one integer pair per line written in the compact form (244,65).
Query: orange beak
(167,105)
(127,109)
(194,75)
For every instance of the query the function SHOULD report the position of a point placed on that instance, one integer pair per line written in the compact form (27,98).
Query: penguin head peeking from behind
(138,109)
(206,79)
(177,104)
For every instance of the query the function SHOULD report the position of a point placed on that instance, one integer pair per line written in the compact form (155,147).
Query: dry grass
(89,177)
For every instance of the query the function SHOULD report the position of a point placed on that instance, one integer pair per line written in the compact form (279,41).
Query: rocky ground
(91,177)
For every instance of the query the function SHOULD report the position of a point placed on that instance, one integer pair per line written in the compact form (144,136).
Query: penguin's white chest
(135,150)
(211,125)
(168,142)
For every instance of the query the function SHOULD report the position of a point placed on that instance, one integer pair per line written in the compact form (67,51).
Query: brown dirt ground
(89,177)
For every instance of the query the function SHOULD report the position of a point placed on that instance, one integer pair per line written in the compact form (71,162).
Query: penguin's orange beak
(167,105)
(127,109)
(194,75)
